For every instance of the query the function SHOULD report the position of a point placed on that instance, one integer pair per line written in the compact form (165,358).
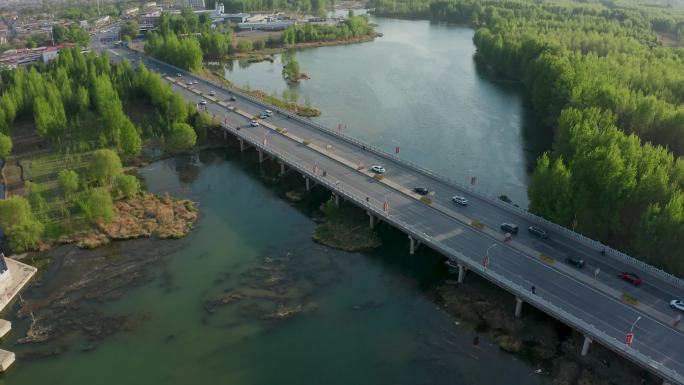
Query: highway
(595,301)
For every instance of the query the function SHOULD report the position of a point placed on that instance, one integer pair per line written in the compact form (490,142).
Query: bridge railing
(588,242)
(516,289)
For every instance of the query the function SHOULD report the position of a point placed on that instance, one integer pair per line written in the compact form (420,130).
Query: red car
(630,277)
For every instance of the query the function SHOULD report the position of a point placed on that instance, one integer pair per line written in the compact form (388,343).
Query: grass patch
(378,177)
(547,259)
(345,229)
(629,299)
(477,225)
(306,142)
(426,199)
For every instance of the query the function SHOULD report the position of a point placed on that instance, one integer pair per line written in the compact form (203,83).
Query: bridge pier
(585,345)
(666,382)
(282,168)
(461,272)
(225,134)
(337,200)
(242,145)
(307,182)
(518,306)
(372,219)
(261,156)
(414,245)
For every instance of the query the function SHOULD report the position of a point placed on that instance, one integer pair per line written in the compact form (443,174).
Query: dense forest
(601,78)
(77,106)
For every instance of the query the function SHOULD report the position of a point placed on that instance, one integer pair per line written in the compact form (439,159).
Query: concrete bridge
(592,300)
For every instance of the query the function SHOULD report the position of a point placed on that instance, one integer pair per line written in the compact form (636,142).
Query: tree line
(77,103)
(305,7)
(602,80)
(187,39)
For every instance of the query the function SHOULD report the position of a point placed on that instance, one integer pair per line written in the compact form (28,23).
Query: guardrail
(518,290)
(598,246)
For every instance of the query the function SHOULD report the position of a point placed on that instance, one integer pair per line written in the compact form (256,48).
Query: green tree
(5,145)
(182,138)
(104,166)
(97,205)
(127,186)
(25,235)
(68,181)
(130,30)
(130,142)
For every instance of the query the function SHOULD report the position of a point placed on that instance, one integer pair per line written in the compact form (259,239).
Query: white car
(268,112)
(203,102)
(254,123)
(460,200)
(212,93)
(378,169)
(677,304)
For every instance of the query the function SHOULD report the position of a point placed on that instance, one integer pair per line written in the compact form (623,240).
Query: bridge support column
(414,245)
(372,219)
(225,134)
(666,382)
(337,200)
(282,168)
(585,345)
(261,156)
(242,145)
(461,272)
(307,182)
(518,306)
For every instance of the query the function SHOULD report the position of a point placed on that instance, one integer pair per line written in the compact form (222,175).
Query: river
(367,318)
(205,309)
(419,89)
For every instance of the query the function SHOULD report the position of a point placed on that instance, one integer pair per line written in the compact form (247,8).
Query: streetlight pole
(486,258)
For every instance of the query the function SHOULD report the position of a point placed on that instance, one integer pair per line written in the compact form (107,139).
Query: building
(3,33)
(235,18)
(131,11)
(102,20)
(266,25)
(195,4)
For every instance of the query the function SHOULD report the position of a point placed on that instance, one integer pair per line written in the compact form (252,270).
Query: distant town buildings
(195,4)
(14,58)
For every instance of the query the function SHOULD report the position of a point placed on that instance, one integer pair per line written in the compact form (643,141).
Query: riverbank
(266,54)
(305,111)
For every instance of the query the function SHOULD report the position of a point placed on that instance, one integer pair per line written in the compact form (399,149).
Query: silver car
(460,200)
(378,169)
(677,304)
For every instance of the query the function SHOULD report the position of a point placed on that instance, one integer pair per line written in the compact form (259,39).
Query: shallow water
(366,319)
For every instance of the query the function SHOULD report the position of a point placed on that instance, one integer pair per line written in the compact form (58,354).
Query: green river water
(366,318)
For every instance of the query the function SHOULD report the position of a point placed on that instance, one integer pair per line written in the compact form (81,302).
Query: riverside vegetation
(599,76)
(73,129)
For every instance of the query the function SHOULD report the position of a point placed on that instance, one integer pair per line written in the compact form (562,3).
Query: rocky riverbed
(62,306)
(552,347)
